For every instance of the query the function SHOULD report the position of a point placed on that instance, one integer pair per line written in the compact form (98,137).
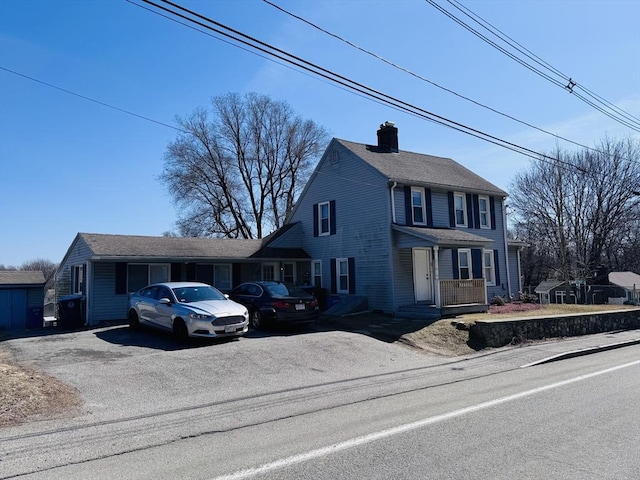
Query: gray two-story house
(405,229)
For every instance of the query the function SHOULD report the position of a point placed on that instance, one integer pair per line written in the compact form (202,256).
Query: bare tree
(582,211)
(47,267)
(240,166)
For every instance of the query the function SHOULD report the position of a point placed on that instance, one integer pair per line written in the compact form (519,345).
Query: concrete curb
(581,352)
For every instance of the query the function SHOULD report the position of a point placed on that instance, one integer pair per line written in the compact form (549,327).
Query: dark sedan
(271,303)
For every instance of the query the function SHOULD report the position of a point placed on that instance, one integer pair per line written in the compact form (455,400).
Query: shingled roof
(444,236)
(21,277)
(416,168)
(132,246)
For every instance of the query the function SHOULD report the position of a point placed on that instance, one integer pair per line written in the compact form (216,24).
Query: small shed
(554,291)
(21,299)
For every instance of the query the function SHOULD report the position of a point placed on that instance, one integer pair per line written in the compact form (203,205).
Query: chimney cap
(387,124)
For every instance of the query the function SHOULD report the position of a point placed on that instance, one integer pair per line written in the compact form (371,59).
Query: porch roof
(444,236)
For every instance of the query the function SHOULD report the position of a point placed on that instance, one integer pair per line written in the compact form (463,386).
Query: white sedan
(187,309)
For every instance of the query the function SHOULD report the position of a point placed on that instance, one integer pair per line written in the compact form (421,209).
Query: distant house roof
(626,280)
(108,246)
(416,168)
(547,285)
(10,278)
(444,236)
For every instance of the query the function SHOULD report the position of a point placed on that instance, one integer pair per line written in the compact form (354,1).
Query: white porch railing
(462,292)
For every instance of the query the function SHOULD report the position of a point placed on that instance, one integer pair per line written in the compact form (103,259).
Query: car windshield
(281,290)
(197,294)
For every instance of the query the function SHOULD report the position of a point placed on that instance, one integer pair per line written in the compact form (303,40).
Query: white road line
(354,442)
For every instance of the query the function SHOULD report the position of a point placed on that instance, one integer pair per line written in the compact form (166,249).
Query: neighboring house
(21,299)
(405,230)
(104,269)
(629,282)
(555,291)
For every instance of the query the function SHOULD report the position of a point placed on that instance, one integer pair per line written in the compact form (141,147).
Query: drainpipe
(436,261)
(393,202)
(506,246)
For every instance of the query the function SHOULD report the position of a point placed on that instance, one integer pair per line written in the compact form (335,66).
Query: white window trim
(276,270)
(320,232)
(488,212)
(464,208)
(422,206)
(338,262)
(490,282)
(470,263)
(148,265)
(314,273)
(75,281)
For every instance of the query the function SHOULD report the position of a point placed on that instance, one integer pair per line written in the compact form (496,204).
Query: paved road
(325,405)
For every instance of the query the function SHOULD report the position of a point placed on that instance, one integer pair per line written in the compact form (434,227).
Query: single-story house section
(105,269)
(555,291)
(628,281)
(21,299)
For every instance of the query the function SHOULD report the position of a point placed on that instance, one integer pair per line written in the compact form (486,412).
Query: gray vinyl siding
(440,205)
(513,270)
(363,218)
(103,303)
(403,277)
(290,239)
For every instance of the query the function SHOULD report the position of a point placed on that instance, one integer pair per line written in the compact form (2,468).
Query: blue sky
(68,165)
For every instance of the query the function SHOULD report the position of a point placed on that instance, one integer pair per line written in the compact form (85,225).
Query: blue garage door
(13,309)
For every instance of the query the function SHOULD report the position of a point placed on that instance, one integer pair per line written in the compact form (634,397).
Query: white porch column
(436,272)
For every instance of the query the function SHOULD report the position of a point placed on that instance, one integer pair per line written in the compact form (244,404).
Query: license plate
(229,328)
(299,306)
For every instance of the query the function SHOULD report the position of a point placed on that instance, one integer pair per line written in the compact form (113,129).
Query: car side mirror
(226,295)
(164,301)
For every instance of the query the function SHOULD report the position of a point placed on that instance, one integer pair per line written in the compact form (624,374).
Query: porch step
(418,311)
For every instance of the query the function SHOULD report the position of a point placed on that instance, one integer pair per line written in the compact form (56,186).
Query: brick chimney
(388,137)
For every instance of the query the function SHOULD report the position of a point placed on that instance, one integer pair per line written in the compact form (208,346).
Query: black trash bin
(71,311)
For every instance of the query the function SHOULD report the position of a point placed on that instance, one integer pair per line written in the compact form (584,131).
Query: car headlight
(200,316)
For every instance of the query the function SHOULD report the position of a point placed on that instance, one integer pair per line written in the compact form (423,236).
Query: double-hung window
(141,275)
(269,271)
(78,279)
(464,264)
(460,208)
(342,273)
(316,273)
(483,207)
(417,205)
(488,267)
(324,219)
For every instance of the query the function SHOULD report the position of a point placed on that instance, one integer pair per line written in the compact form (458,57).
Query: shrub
(497,300)
(528,297)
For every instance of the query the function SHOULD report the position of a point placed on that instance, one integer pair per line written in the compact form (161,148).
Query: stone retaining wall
(499,333)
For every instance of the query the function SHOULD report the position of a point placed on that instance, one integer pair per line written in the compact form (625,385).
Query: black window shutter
(315,219)
(496,266)
(176,272)
(191,272)
(452,211)
(352,275)
(454,260)
(407,205)
(476,210)
(476,260)
(236,274)
(470,217)
(332,263)
(121,278)
(492,208)
(427,196)
(332,217)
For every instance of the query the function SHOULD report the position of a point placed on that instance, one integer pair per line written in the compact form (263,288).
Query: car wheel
(134,321)
(180,331)
(256,320)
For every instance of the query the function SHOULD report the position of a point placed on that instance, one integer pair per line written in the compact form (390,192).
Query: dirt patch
(443,337)
(27,394)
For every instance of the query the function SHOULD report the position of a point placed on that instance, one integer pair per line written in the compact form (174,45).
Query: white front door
(423,275)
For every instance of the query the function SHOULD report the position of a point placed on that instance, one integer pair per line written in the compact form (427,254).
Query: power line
(405,70)
(336,78)
(607,108)
(84,97)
